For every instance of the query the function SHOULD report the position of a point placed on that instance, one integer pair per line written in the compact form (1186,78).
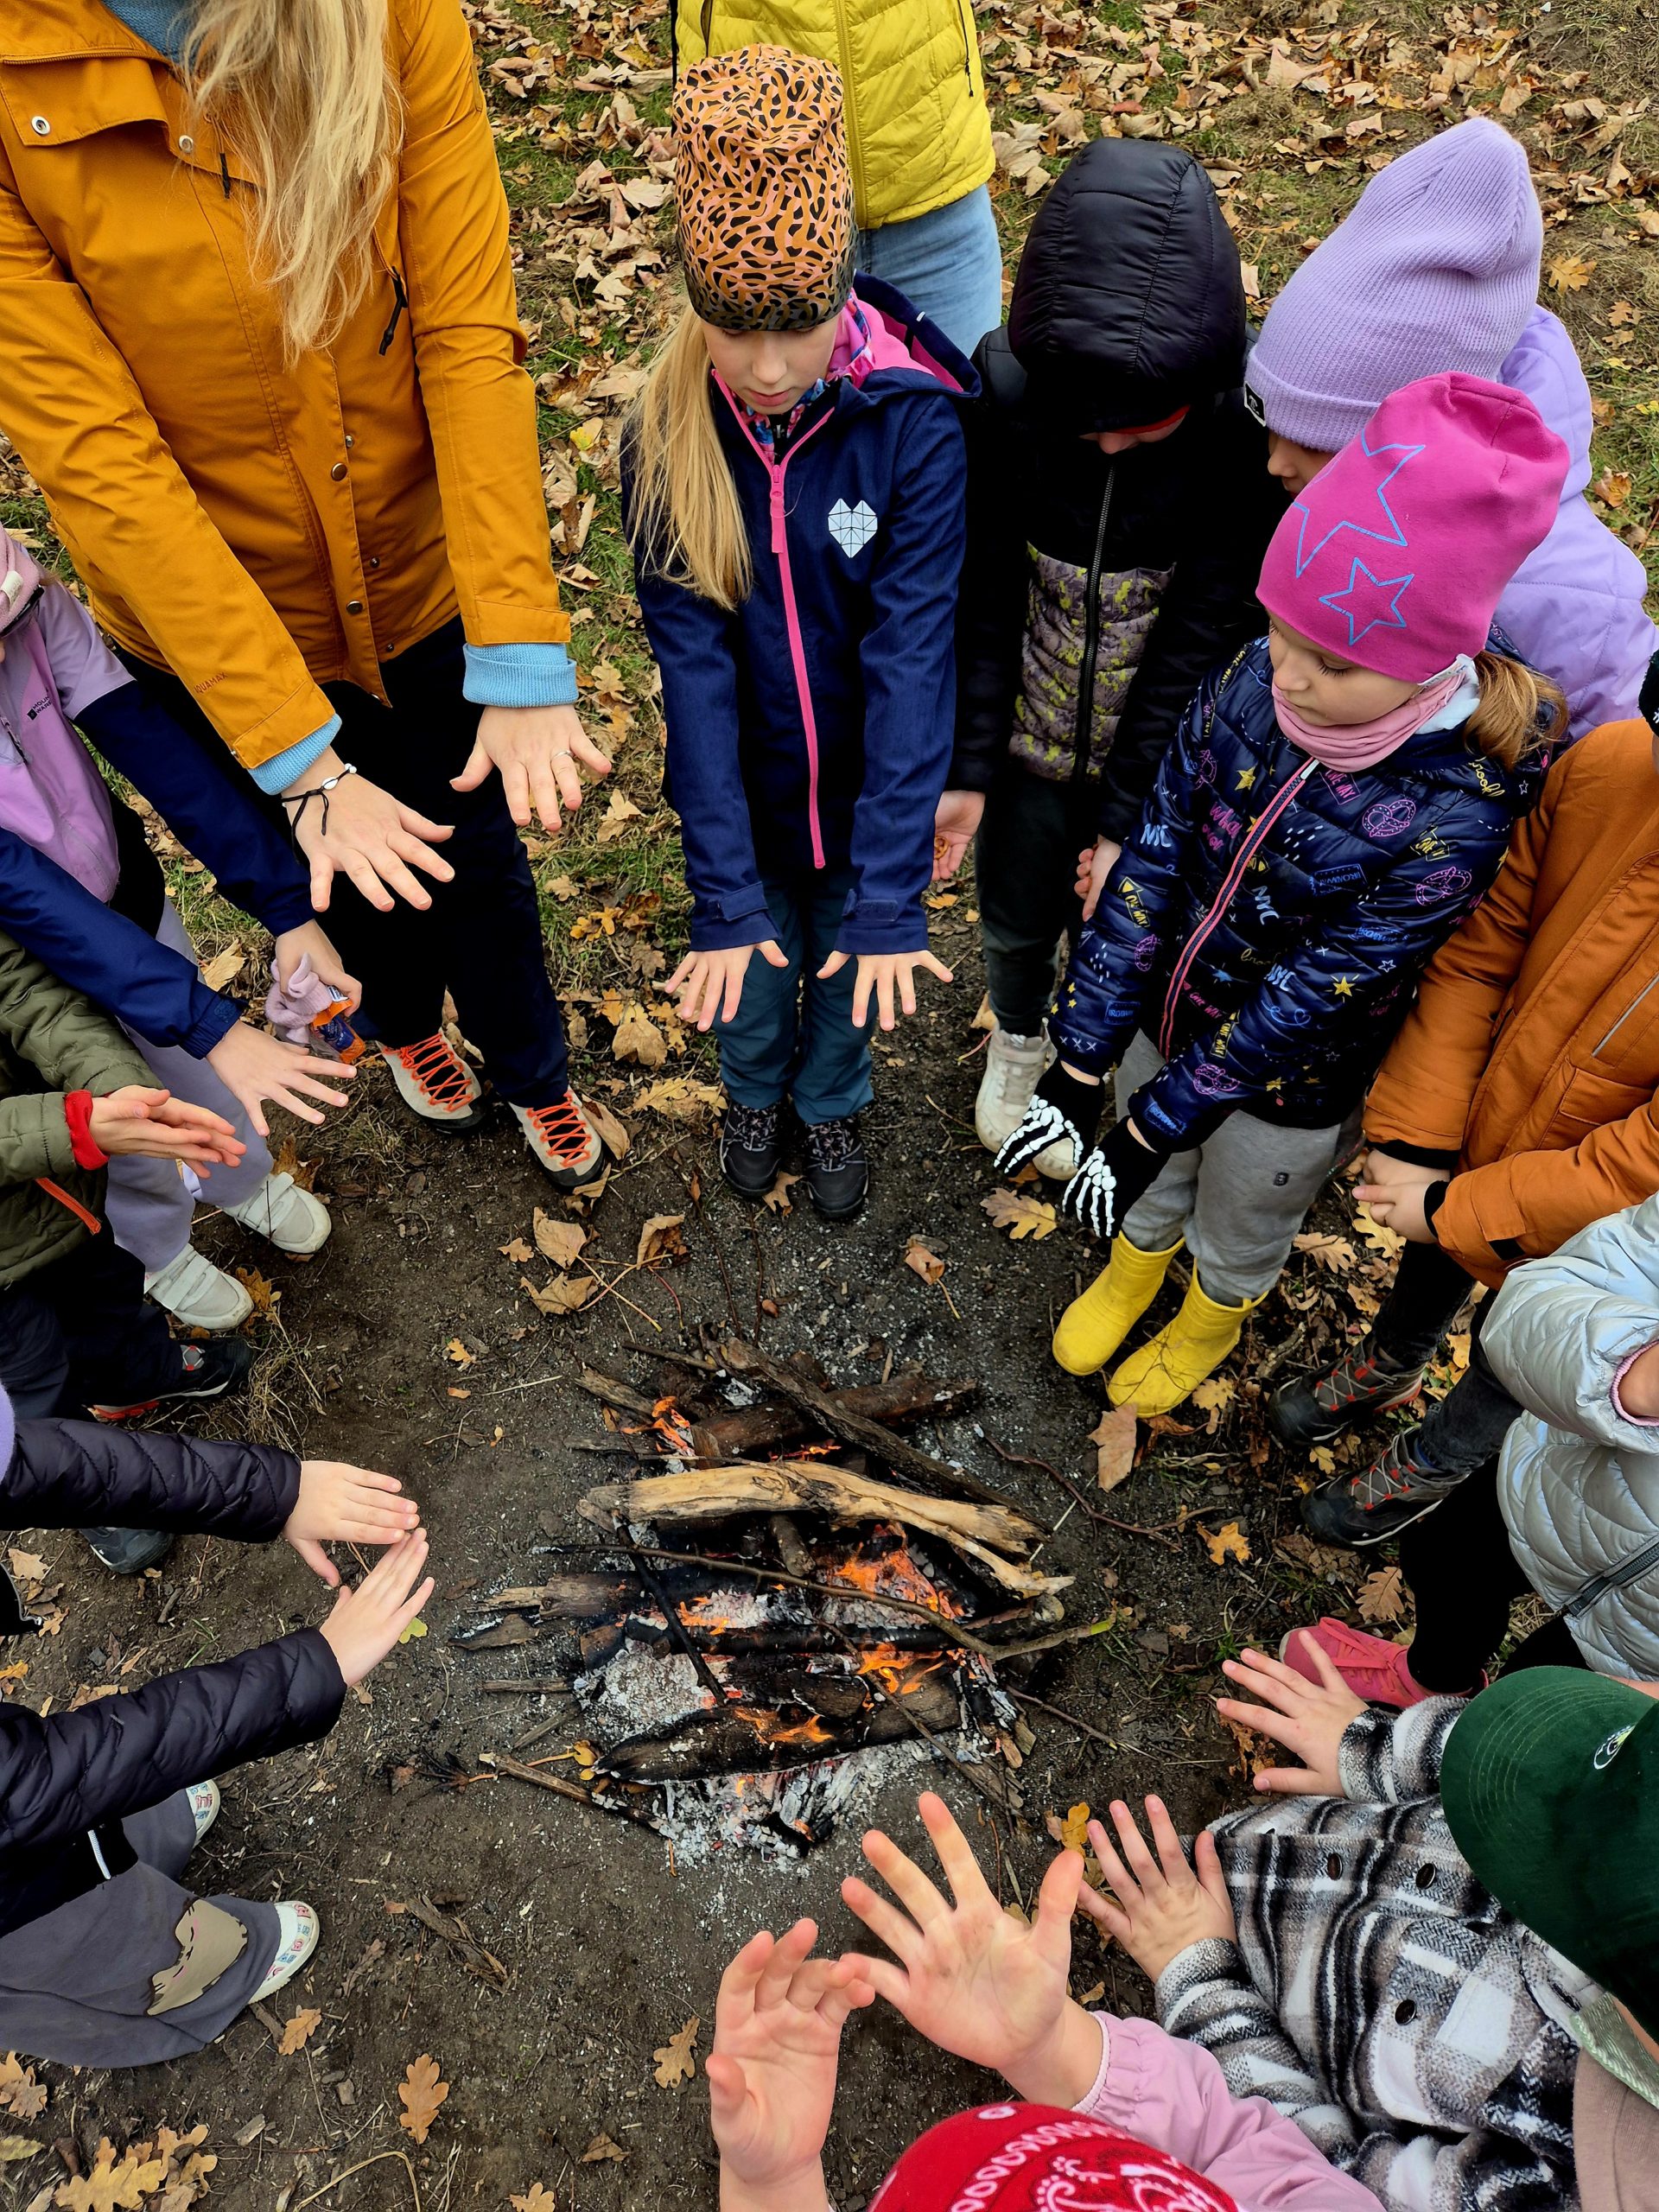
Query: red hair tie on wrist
(78,1112)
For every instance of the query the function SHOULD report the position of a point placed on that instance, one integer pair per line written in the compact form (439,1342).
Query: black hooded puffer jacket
(1098,591)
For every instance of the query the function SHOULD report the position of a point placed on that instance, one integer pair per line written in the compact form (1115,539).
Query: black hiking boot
(837,1167)
(751,1147)
(1315,1407)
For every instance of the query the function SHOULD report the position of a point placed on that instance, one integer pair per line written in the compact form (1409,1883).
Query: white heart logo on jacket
(852,528)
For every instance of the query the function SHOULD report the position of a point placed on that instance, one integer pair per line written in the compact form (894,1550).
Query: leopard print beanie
(766,196)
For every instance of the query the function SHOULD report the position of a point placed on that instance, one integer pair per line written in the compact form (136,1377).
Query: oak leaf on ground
(1382,1595)
(777,1199)
(20,2092)
(299,2031)
(113,2185)
(1021,1214)
(620,812)
(613,1133)
(535,2199)
(1570,272)
(1229,1541)
(637,1038)
(420,2093)
(674,2063)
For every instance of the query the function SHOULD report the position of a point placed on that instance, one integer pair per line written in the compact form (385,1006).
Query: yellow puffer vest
(919,133)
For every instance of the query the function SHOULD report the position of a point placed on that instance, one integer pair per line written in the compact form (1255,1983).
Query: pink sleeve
(1172,2095)
(83,667)
(1637,1420)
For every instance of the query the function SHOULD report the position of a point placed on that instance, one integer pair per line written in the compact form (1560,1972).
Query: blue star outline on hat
(1306,553)
(1370,604)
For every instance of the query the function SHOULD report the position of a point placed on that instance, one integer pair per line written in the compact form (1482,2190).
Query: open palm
(971,1978)
(772,2071)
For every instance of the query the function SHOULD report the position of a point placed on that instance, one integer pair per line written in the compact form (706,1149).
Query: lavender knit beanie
(1436,270)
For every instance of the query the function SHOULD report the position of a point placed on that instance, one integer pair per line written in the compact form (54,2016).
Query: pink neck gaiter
(1354,746)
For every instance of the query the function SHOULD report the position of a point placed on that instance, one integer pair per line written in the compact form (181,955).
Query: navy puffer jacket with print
(1269,919)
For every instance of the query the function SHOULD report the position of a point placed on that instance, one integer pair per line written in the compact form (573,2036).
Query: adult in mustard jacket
(919,137)
(258,345)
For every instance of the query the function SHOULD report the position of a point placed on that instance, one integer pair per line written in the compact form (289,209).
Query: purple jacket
(1574,607)
(1172,2095)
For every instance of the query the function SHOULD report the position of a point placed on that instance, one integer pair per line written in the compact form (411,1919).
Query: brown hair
(1519,712)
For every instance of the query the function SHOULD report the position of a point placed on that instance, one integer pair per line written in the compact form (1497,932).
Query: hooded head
(764,195)
(1039,2158)
(1396,554)
(1128,304)
(1436,268)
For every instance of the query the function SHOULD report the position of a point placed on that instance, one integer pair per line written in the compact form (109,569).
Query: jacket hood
(903,339)
(1128,302)
(1544,364)
(20,579)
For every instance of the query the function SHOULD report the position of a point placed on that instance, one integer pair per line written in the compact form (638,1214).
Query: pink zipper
(792,613)
(1241,859)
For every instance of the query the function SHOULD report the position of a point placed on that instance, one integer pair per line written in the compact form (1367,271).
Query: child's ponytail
(1520,711)
(685,506)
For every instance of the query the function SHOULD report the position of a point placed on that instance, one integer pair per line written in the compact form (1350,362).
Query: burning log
(752,1739)
(823,1407)
(983,1534)
(757,1428)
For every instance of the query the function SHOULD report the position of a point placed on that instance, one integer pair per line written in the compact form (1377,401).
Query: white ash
(736,1812)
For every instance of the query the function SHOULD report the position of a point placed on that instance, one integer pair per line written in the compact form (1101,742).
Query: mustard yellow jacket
(262,529)
(917,129)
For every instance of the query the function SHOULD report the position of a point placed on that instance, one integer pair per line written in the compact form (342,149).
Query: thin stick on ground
(1153,1536)
(1082,1727)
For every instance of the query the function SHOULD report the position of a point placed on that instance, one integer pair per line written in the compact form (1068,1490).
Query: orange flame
(773,1728)
(898,1673)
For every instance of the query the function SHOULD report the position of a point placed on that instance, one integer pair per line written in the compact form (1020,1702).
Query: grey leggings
(1239,1198)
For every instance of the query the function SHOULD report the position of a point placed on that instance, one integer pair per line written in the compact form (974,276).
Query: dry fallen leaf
(558,1241)
(674,2063)
(299,2031)
(1074,1829)
(20,2092)
(1382,1595)
(1612,487)
(563,1293)
(27,1566)
(1228,1543)
(421,2093)
(1113,1439)
(535,2200)
(613,1133)
(928,1265)
(15,2148)
(984,1019)
(111,2185)
(260,1289)
(457,1351)
(637,1038)
(1622,312)
(602,2147)
(777,1199)
(617,817)
(1021,1214)
(516,1250)
(1333,1252)
(661,1238)
(223,967)
(1571,272)
(682,1098)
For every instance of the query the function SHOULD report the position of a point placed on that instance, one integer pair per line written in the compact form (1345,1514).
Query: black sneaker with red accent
(205,1371)
(1399,1487)
(563,1141)
(1315,1407)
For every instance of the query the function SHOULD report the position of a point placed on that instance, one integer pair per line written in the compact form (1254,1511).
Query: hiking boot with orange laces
(435,1083)
(563,1140)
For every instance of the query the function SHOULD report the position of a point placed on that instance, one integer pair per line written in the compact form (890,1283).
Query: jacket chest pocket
(1622,1039)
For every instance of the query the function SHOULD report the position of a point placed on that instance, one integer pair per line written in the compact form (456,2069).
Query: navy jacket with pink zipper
(811,728)
(1268,919)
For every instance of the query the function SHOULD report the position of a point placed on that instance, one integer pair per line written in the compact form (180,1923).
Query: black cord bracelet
(299,800)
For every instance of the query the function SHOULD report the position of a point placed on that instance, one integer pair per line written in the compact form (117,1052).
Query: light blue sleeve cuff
(520,675)
(276,775)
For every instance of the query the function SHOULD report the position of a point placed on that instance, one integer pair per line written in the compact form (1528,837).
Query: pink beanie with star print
(1395,555)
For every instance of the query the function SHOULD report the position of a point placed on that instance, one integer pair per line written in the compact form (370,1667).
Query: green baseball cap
(1550,1784)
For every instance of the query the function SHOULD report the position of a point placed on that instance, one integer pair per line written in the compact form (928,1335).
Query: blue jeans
(949,264)
(792,1033)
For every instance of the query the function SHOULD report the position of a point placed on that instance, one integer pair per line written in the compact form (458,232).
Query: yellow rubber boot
(1170,1366)
(1094,1325)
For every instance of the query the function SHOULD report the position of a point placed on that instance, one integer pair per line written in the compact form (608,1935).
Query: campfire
(756,1645)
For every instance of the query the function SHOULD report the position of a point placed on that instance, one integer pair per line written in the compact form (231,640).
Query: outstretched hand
(1163,1905)
(970,1977)
(259,1070)
(342,1504)
(711,983)
(359,830)
(772,2071)
(538,751)
(955,821)
(884,973)
(134,1122)
(1309,1718)
(367,1622)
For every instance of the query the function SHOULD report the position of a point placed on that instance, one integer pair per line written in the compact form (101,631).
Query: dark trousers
(1464,1577)
(481,937)
(1024,867)
(80,1331)
(792,1033)
(1467,1426)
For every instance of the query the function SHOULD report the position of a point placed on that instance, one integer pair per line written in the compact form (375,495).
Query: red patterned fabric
(1039,2158)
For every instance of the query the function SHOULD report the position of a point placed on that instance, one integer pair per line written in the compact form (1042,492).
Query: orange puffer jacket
(1533,1051)
(261,528)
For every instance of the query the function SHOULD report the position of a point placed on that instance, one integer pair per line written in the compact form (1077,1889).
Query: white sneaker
(299,1929)
(1014,1068)
(195,1292)
(296,1222)
(203,1805)
(435,1083)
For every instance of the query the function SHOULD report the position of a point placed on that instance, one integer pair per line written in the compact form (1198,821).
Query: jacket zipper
(775,475)
(850,110)
(964,20)
(708,25)
(1651,984)
(1241,859)
(1083,734)
(56,1191)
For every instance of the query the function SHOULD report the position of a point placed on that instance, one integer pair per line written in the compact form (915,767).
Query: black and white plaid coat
(1381,1998)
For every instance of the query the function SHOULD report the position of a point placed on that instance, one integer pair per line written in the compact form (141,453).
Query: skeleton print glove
(1061,1108)
(1112,1177)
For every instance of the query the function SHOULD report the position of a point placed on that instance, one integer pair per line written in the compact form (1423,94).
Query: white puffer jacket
(1579,1484)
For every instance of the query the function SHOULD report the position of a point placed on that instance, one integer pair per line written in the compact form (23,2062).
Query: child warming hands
(1337,800)
(792,484)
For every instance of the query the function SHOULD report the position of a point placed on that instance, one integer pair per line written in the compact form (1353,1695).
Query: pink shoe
(1372,1667)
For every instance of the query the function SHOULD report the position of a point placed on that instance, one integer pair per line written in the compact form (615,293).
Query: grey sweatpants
(75,1985)
(151,1203)
(1239,1198)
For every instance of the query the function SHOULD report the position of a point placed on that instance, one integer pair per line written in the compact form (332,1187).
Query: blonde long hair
(304,90)
(1520,710)
(685,507)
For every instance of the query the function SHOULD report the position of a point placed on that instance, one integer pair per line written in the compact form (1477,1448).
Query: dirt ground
(609,1949)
